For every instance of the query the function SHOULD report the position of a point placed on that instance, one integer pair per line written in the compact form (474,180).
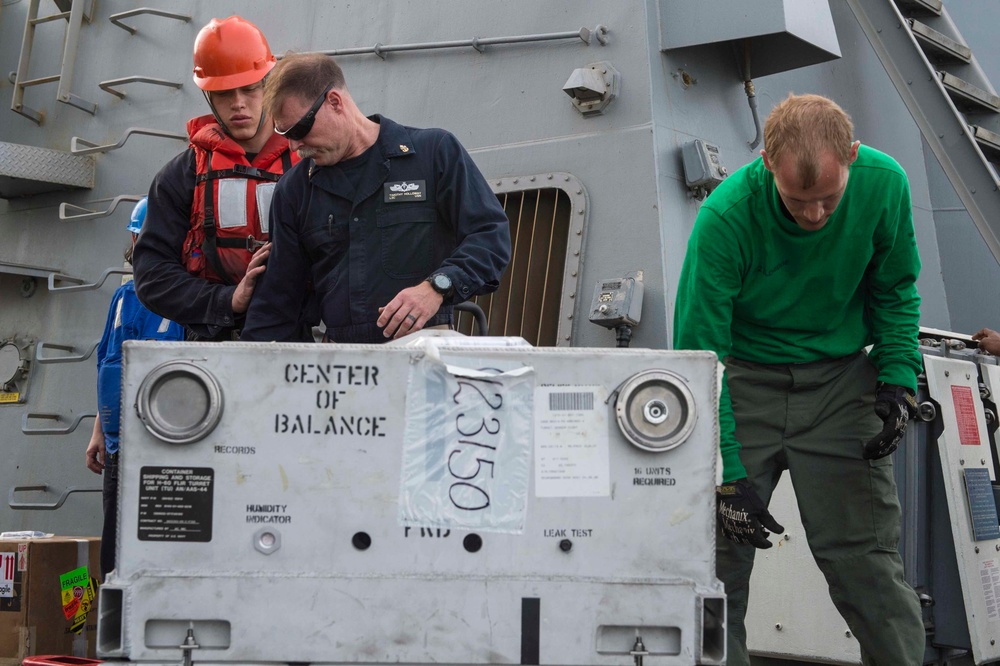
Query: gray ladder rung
(51,17)
(967,96)
(48,506)
(89,148)
(932,6)
(939,43)
(90,213)
(87,287)
(117,18)
(988,140)
(25,418)
(109,86)
(65,358)
(40,80)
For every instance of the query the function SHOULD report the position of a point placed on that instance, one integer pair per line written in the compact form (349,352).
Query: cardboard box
(48,602)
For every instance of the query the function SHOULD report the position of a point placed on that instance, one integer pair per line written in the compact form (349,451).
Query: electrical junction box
(703,170)
(422,504)
(617,301)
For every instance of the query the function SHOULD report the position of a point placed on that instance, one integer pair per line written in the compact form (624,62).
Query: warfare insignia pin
(412,190)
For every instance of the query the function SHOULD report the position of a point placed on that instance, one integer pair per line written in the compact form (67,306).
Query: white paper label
(571,442)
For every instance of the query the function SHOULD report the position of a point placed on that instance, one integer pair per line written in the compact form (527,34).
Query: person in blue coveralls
(127,320)
(391,225)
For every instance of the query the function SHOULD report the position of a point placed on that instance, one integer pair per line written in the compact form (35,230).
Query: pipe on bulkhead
(751,95)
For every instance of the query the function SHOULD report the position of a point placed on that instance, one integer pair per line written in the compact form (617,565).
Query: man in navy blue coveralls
(391,225)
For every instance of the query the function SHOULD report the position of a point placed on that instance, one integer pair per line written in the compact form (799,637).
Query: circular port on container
(656,410)
(267,540)
(361,541)
(179,402)
(472,543)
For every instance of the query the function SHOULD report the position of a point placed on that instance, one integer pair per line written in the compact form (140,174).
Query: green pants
(813,420)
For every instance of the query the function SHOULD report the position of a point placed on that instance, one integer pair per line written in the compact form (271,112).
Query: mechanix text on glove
(743,516)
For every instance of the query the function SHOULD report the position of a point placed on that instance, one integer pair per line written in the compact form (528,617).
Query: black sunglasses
(299,130)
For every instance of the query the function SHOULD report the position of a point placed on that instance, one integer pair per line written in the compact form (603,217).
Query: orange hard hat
(231,53)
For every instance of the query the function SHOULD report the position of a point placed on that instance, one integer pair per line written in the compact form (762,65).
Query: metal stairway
(948,95)
(75,12)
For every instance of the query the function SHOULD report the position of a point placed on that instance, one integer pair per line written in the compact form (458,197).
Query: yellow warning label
(9,397)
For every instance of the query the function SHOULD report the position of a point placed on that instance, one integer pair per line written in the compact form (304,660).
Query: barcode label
(579,402)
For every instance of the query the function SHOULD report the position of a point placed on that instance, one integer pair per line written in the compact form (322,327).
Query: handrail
(477,314)
(108,86)
(78,14)
(40,505)
(941,124)
(94,148)
(86,287)
(51,417)
(39,358)
(117,18)
(478,43)
(89,213)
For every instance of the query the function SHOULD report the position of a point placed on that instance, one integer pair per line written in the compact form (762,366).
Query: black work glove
(895,405)
(743,516)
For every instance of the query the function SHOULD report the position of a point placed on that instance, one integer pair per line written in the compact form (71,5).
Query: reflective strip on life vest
(232,209)
(264,193)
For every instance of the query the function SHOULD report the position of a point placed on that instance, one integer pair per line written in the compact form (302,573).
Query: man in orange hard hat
(206,239)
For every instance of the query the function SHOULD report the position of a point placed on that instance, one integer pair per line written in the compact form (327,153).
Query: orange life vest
(232,199)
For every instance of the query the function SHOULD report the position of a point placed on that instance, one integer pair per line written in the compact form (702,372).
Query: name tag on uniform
(405,190)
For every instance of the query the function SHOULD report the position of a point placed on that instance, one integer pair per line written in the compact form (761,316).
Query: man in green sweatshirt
(796,263)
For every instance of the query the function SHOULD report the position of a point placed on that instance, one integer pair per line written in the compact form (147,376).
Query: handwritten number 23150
(480,402)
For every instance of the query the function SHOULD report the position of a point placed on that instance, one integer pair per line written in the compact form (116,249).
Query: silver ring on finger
(411,319)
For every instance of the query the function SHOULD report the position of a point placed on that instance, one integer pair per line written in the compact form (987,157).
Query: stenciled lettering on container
(271,514)
(305,424)
(329,399)
(330,373)
(653,476)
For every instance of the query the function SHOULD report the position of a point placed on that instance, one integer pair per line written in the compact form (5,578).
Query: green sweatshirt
(757,287)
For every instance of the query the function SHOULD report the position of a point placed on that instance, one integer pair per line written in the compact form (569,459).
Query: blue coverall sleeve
(481,227)
(280,294)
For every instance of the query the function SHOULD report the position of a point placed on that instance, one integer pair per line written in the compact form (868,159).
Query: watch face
(441,283)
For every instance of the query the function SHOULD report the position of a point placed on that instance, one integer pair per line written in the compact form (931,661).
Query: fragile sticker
(77,594)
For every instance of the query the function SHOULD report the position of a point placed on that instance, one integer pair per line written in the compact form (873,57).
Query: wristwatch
(442,284)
